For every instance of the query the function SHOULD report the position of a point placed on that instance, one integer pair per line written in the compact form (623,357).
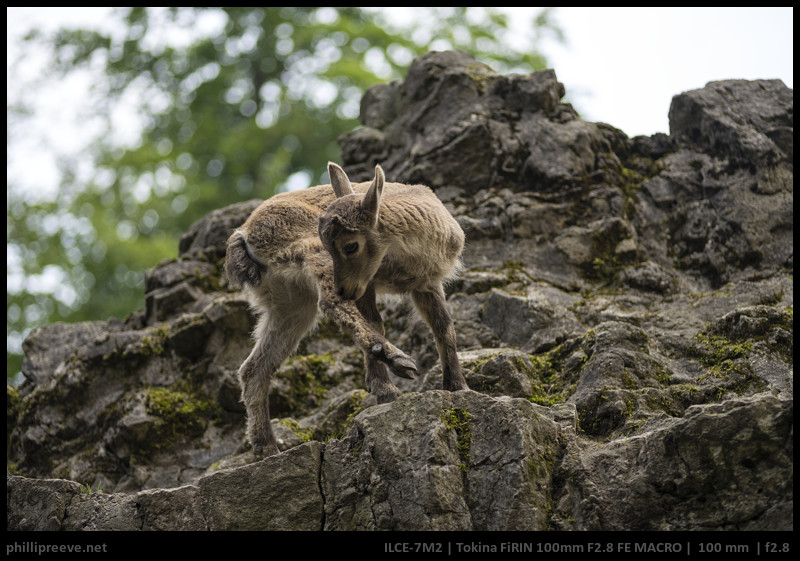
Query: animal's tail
(241,266)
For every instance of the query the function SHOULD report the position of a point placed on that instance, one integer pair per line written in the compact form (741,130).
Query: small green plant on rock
(87,489)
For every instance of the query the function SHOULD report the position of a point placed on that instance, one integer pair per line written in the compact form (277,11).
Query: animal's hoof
(405,368)
(264,451)
(389,396)
(455,388)
(400,363)
(455,385)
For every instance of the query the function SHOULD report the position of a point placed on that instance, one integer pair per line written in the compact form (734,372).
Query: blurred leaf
(229,115)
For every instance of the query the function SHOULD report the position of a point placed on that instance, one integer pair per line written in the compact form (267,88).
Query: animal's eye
(350,248)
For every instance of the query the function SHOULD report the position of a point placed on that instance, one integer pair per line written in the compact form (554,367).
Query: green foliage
(240,111)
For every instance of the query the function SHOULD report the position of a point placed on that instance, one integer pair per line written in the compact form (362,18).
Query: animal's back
(287,218)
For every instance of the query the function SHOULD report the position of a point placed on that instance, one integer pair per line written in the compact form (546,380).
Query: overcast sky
(619,65)
(623,65)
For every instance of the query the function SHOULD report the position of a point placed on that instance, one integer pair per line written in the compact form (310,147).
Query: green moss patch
(459,420)
(178,414)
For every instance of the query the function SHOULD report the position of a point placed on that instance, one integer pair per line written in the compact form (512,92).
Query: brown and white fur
(397,239)
(277,257)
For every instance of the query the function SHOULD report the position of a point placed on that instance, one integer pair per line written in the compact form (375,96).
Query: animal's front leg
(432,307)
(348,315)
(378,382)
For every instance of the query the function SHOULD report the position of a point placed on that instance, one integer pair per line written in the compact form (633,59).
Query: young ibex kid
(398,239)
(277,257)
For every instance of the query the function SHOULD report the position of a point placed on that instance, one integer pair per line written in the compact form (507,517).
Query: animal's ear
(372,200)
(339,180)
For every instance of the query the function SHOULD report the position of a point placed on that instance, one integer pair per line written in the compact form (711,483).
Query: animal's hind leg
(377,378)
(432,307)
(277,335)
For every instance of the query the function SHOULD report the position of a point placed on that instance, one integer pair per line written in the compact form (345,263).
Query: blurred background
(125,125)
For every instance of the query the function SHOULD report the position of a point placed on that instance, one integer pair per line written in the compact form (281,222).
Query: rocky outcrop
(624,319)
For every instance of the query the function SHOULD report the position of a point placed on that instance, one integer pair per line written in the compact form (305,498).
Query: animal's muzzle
(351,294)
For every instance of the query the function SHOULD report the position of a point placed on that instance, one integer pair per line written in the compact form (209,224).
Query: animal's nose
(340,292)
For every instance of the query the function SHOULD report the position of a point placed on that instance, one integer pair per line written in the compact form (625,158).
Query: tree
(249,107)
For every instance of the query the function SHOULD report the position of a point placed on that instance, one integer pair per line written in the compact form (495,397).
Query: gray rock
(710,470)
(176,509)
(624,321)
(35,504)
(278,493)
(742,119)
(535,321)
(97,511)
(432,461)
(496,372)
